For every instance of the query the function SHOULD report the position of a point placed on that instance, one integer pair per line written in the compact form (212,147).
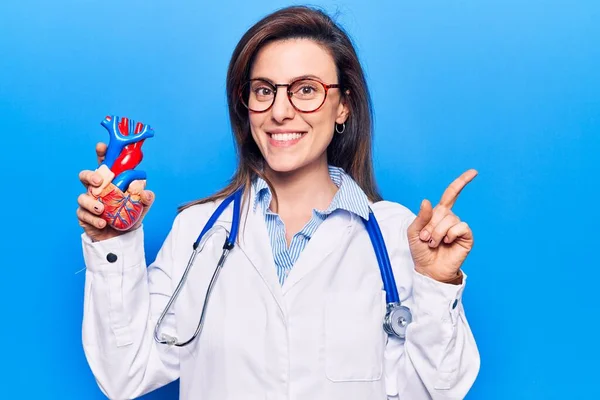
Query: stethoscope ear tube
(196,248)
(211,285)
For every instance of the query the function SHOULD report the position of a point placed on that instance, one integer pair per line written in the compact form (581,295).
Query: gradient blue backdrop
(511,88)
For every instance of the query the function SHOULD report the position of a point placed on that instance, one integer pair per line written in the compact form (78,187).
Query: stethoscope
(397,317)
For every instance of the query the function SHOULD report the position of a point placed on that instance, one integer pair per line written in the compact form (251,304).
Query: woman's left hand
(439,242)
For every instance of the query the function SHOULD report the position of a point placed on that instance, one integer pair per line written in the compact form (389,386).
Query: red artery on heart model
(131,155)
(122,208)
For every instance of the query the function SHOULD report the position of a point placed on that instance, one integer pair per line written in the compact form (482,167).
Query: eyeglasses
(305,94)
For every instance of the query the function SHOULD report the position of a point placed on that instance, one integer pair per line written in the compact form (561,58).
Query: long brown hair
(350,150)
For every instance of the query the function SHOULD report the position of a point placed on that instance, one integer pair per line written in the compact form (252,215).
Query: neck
(302,190)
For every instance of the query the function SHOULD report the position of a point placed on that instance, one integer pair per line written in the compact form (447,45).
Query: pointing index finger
(451,193)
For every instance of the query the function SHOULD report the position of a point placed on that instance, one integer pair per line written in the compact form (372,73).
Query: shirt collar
(350,197)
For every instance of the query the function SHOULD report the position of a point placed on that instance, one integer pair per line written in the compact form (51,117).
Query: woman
(298,308)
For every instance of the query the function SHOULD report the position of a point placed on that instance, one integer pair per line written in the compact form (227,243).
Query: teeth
(283,137)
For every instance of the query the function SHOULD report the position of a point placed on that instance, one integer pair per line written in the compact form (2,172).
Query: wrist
(456,279)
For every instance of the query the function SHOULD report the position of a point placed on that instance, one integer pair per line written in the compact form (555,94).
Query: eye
(306,89)
(262,91)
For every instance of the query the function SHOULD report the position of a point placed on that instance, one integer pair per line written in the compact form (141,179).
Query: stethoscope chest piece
(396,321)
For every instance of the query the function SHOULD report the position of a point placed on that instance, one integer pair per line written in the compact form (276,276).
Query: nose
(282,108)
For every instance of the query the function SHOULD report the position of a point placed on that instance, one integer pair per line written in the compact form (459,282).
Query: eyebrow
(308,76)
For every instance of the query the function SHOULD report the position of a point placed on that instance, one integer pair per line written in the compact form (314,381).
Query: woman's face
(288,139)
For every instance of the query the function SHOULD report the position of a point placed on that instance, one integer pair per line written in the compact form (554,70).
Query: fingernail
(424,235)
(96,180)
(97,208)
(148,197)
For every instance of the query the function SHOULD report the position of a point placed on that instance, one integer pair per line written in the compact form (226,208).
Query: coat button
(453,304)
(111,257)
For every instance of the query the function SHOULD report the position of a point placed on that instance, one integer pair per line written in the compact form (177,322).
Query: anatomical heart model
(122,209)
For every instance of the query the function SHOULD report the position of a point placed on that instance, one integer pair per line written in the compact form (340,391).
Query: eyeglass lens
(305,94)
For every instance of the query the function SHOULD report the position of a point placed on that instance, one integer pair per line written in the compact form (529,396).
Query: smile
(285,139)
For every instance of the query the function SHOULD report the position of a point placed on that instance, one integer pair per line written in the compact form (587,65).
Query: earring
(343,128)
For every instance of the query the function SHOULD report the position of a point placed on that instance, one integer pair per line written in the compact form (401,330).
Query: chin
(284,164)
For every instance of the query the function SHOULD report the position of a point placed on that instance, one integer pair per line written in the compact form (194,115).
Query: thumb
(422,219)
(137,187)
(147,198)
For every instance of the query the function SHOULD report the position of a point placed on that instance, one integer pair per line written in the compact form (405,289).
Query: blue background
(511,88)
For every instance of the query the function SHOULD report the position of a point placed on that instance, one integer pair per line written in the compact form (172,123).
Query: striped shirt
(349,197)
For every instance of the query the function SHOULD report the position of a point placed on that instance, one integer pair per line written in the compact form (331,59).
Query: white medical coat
(319,336)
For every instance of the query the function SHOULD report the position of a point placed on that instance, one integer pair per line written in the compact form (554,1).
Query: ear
(343,111)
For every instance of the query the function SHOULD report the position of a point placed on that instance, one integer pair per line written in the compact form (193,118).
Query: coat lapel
(254,242)
(326,238)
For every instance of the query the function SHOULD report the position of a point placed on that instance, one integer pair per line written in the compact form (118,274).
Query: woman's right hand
(90,209)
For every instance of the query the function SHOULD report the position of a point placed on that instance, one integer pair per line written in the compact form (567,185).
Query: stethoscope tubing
(371,225)
(387,276)
(196,248)
(235,224)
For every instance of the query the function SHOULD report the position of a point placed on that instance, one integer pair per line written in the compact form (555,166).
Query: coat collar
(253,240)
